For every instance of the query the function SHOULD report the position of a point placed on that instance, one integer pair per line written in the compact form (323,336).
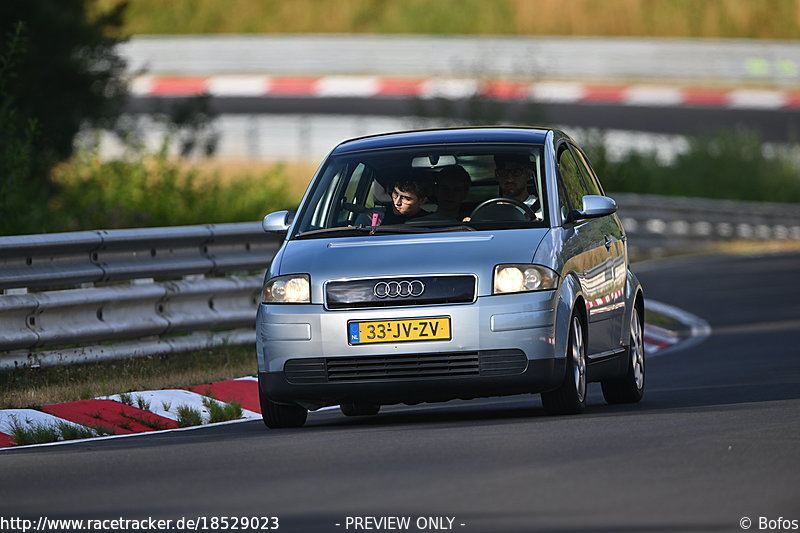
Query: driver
(513,172)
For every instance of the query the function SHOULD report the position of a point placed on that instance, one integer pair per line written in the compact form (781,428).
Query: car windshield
(426,189)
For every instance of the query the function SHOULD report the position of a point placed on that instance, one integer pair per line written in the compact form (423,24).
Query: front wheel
(278,415)
(570,397)
(630,387)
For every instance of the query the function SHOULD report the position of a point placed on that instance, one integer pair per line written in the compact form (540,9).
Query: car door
(615,242)
(590,255)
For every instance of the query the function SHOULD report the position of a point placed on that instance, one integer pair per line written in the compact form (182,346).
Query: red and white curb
(662,340)
(157,410)
(656,338)
(165,403)
(426,88)
(151,411)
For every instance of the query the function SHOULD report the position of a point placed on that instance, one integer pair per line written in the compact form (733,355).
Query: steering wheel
(491,202)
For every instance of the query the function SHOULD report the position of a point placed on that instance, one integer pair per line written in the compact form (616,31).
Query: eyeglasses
(511,172)
(403,198)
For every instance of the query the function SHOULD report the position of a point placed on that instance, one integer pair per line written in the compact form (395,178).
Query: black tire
(570,397)
(278,415)
(360,409)
(630,387)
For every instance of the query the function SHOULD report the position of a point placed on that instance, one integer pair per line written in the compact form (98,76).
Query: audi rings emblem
(398,289)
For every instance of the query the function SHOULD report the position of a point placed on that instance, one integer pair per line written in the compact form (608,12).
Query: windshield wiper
(322,231)
(371,230)
(460,227)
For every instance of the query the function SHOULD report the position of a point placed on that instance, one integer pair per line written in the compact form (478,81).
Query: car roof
(492,134)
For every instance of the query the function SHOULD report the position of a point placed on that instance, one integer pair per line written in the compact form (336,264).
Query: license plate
(411,330)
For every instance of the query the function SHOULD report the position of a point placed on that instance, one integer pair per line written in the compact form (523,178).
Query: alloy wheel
(637,350)
(577,350)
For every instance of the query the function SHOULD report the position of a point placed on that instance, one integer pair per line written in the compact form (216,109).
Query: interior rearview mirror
(433,161)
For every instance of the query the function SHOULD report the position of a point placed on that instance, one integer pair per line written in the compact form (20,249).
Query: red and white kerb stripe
(544,92)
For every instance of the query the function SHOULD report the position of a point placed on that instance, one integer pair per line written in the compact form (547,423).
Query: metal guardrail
(92,295)
(665,222)
(112,255)
(67,296)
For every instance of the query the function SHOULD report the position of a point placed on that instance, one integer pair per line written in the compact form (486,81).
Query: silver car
(426,266)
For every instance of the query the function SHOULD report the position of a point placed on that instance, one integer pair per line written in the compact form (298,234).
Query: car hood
(410,255)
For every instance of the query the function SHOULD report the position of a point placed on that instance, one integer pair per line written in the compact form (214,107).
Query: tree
(60,72)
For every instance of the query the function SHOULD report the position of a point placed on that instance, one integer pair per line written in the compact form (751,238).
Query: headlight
(523,278)
(294,288)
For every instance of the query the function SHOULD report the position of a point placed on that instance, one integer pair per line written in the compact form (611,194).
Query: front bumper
(539,375)
(500,345)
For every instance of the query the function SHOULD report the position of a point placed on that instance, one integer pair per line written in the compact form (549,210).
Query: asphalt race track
(776,125)
(716,439)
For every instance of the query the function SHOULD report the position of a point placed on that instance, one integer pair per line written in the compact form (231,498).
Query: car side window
(571,178)
(592,183)
(353,191)
(563,203)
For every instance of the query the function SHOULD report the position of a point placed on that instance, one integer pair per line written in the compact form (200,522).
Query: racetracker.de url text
(197,523)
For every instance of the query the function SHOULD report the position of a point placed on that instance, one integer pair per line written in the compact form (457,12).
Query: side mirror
(594,206)
(277,222)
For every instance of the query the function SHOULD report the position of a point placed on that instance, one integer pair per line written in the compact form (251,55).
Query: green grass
(70,432)
(188,416)
(38,433)
(770,19)
(34,387)
(142,403)
(102,430)
(125,397)
(151,423)
(220,411)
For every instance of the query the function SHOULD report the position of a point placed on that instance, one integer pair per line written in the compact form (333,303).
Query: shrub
(143,190)
(729,165)
(188,416)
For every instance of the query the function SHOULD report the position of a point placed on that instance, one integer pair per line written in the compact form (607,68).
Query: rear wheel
(278,415)
(630,387)
(360,409)
(570,397)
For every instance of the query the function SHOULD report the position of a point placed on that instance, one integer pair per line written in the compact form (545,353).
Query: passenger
(513,172)
(408,196)
(452,187)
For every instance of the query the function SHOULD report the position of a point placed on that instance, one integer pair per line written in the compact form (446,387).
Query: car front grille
(405,366)
(396,292)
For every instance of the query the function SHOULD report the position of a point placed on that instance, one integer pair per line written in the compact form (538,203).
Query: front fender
(570,299)
(633,291)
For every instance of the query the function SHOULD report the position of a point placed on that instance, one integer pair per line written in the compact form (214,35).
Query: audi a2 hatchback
(427,266)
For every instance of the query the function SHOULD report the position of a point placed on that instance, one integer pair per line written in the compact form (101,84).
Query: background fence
(93,295)
(731,60)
